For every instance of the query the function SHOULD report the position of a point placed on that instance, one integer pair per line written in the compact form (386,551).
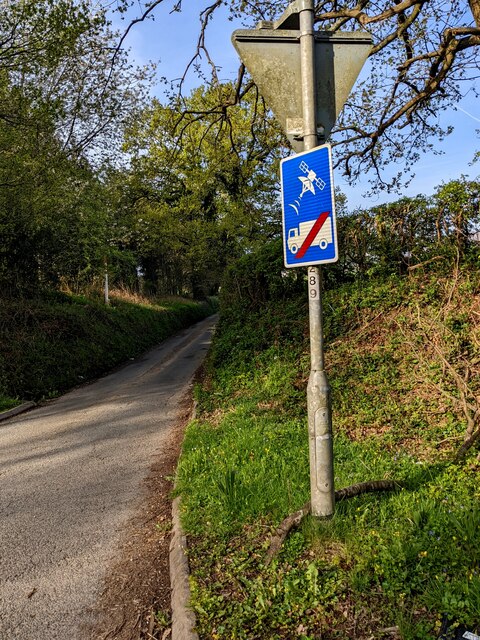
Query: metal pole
(318,390)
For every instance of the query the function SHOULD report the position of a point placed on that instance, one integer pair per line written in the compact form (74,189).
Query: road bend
(71,477)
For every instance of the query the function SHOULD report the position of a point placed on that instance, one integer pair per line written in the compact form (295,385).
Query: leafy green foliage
(7,403)
(63,96)
(404,561)
(397,237)
(201,191)
(54,342)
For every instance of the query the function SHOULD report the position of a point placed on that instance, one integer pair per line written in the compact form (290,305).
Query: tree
(458,212)
(203,188)
(62,100)
(424,58)
(402,236)
(59,57)
(52,211)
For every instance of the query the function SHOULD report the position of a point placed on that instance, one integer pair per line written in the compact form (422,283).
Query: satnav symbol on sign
(308,223)
(309,182)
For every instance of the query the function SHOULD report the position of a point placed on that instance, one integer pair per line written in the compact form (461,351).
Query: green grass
(403,561)
(56,341)
(8,403)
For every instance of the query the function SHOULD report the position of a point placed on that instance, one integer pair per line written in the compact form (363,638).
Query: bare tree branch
(362,18)
(149,11)
(427,60)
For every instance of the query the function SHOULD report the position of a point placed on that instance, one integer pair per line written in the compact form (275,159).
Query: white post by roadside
(106,287)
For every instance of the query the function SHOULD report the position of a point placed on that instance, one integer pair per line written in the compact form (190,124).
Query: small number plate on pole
(309,225)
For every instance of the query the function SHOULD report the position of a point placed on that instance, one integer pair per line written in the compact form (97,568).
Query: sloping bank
(403,565)
(56,341)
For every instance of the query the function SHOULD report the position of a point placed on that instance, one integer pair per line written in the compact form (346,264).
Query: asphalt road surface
(70,478)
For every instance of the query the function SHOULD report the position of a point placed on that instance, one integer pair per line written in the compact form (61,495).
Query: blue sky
(453,158)
(171,40)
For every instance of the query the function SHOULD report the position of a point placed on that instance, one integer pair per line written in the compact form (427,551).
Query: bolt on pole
(318,390)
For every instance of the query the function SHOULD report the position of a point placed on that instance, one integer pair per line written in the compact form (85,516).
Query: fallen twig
(468,443)
(293,520)
(366,487)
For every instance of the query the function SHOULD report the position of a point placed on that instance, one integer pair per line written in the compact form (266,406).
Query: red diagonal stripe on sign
(312,235)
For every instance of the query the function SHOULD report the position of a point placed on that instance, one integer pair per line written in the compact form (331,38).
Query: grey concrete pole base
(320,445)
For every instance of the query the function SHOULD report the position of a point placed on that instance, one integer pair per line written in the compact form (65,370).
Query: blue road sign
(309,226)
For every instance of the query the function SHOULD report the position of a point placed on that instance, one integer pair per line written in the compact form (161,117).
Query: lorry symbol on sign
(309,182)
(297,236)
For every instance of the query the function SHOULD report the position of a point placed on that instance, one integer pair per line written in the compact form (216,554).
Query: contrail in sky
(468,114)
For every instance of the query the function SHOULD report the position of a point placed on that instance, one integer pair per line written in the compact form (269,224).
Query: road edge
(183,616)
(16,410)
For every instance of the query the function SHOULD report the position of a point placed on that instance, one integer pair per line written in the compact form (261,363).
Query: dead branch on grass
(294,519)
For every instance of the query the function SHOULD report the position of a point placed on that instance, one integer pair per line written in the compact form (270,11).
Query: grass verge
(56,341)
(404,565)
(8,403)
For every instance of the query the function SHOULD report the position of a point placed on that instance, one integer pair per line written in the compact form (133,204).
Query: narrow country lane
(71,477)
